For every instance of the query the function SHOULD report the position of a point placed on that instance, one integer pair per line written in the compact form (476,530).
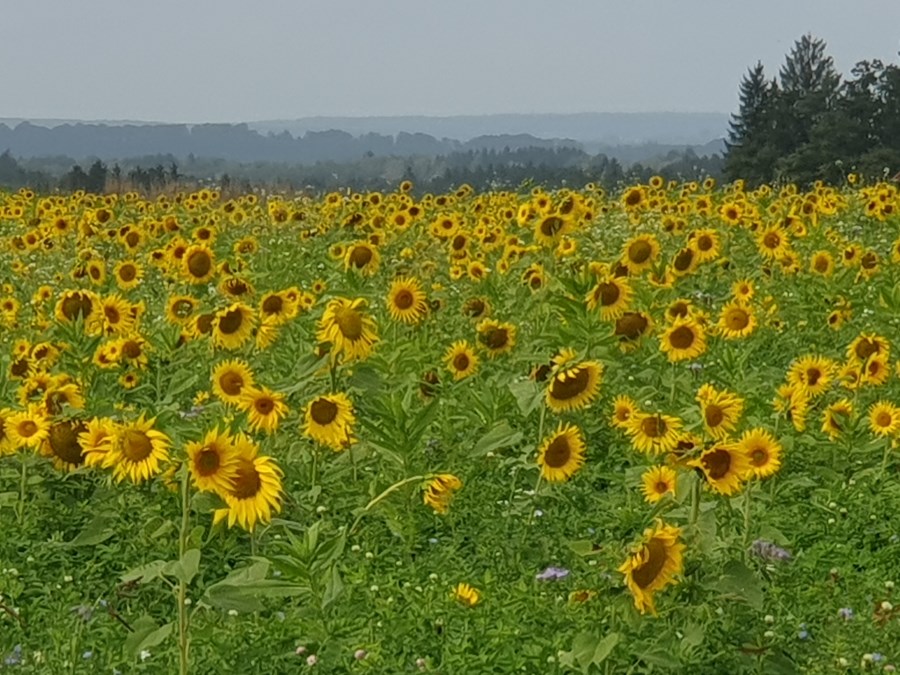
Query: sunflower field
(539,431)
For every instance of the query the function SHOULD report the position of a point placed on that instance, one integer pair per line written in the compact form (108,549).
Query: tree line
(809,123)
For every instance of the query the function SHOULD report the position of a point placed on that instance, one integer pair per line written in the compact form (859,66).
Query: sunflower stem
(747,504)
(695,502)
(23,483)
(393,488)
(183,627)
(314,468)
(885,458)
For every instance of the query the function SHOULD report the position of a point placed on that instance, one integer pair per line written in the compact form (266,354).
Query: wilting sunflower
(330,420)
(477,308)
(346,326)
(233,326)
(653,565)
(837,418)
(631,327)
(658,481)
(461,360)
(640,252)
(624,408)
(725,466)
(611,297)
(265,409)
(737,320)
(77,304)
(683,339)
(721,411)
(875,372)
(198,264)
(654,432)
(561,454)
(405,301)
(866,346)
(212,462)
(497,337)
(137,450)
(812,373)
(230,379)
(762,450)
(96,442)
(254,492)
(28,428)
(63,444)
(466,595)
(572,386)
(440,490)
(884,419)
(363,257)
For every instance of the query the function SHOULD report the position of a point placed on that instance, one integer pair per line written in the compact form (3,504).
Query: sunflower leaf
(146,634)
(739,581)
(95,532)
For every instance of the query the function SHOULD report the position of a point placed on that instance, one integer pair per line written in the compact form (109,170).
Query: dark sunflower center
(204,323)
(112,315)
(127,273)
(360,256)
(323,411)
(461,362)
(737,318)
(231,322)
(131,349)
(136,445)
(821,264)
(247,482)
(551,225)
(654,427)
(717,463)
(608,293)
(558,452)
(866,348)
(231,383)
(404,299)
(684,259)
(884,419)
(350,323)
(771,240)
(631,325)
(132,239)
(264,405)
(475,308)
(207,461)
(75,304)
(639,252)
(273,304)
(182,309)
(64,442)
(656,556)
(495,338)
(27,428)
(759,457)
(714,415)
(662,487)
(199,264)
(704,242)
(575,383)
(682,337)
(813,375)
(633,198)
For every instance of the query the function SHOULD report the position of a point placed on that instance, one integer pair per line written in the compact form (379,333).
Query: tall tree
(749,151)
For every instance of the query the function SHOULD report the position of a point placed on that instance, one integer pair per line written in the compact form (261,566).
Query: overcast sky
(243,60)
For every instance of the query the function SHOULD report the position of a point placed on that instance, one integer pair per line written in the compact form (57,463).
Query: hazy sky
(243,60)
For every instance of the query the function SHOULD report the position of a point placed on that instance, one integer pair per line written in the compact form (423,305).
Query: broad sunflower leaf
(739,581)
(500,436)
(95,532)
(146,634)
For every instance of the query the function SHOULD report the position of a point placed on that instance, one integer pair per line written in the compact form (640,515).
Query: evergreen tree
(749,148)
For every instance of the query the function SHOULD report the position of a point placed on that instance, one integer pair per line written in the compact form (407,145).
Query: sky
(237,60)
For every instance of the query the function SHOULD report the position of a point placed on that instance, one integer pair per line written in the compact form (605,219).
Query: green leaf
(242,589)
(334,587)
(604,648)
(146,634)
(583,547)
(145,573)
(739,581)
(95,532)
(185,569)
(527,394)
(500,436)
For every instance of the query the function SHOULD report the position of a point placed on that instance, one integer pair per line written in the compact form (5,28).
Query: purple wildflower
(552,574)
(769,552)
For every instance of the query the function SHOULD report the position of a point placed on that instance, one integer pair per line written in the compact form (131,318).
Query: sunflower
(742,290)
(653,565)
(362,257)
(763,452)
(812,373)
(631,327)
(737,320)
(128,274)
(27,428)
(278,308)
(466,595)
(684,262)
(477,308)
(866,346)
(550,229)
(96,272)
(63,444)
(624,409)
(7,447)
(721,411)
(658,481)
(348,329)
(683,339)
(640,252)
(406,301)
(233,326)
(212,462)
(772,242)
(495,336)
(706,244)
(573,386)
(611,297)
(230,379)
(330,420)
(725,466)
(461,360)
(822,263)
(96,442)
(561,454)
(884,419)
(137,450)
(876,371)
(254,492)
(793,401)
(116,315)
(837,418)
(77,304)
(265,408)
(440,490)
(654,432)
(198,264)
(180,309)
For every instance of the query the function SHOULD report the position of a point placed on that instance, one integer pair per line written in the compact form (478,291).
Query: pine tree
(748,155)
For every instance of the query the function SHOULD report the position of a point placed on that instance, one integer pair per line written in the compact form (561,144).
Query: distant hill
(608,128)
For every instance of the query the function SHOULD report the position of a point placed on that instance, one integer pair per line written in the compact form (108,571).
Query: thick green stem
(695,502)
(885,458)
(184,642)
(747,504)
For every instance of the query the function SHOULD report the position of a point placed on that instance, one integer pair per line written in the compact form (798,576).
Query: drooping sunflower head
(653,566)
(439,491)
(496,337)
(198,264)
(725,466)
(233,326)
(63,444)
(573,386)
(362,257)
